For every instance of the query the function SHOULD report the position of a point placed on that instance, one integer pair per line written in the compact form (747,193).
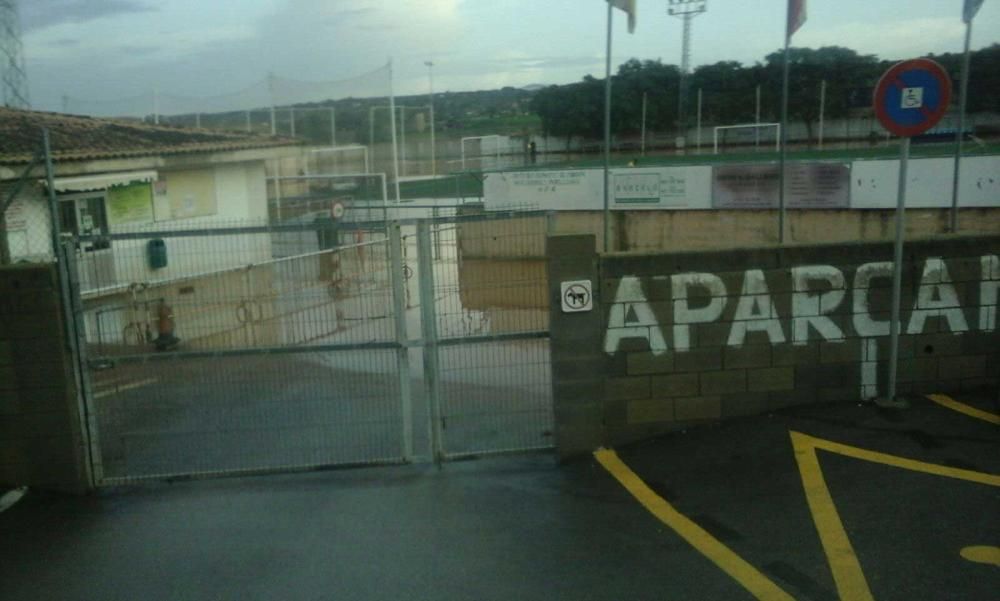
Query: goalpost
(481,140)
(295,197)
(753,129)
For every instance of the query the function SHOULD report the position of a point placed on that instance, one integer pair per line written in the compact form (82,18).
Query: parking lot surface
(842,501)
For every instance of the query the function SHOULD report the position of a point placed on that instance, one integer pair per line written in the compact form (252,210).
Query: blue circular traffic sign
(912,97)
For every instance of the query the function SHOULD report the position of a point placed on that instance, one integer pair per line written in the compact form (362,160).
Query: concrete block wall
(689,337)
(41,440)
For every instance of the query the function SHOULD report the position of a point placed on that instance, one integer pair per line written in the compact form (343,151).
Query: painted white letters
(988,292)
(864,325)
(755,311)
(817,291)
(936,297)
(684,315)
(632,317)
(812,309)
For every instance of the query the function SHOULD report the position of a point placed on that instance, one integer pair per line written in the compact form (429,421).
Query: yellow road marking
(950,403)
(847,572)
(982,554)
(896,461)
(122,388)
(729,562)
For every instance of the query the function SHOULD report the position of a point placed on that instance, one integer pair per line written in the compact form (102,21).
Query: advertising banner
(807,186)
(563,190)
(652,188)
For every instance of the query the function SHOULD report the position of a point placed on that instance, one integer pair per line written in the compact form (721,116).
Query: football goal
(755,135)
(339,159)
(480,146)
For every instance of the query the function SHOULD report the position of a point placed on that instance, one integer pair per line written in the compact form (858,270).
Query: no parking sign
(912,97)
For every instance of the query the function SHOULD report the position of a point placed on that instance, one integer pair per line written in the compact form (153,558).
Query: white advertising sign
(874,183)
(858,184)
(564,190)
(659,188)
(581,189)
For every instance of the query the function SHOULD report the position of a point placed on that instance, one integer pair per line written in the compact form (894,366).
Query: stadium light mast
(12,72)
(686,10)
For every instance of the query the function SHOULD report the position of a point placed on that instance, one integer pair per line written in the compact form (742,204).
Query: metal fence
(306,346)
(486,297)
(281,363)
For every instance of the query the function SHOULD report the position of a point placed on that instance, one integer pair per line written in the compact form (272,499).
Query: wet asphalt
(524,527)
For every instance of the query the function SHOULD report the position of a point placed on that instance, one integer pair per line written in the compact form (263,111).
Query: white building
(117,177)
(114,177)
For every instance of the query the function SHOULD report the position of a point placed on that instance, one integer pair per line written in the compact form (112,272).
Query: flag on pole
(629,7)
(797,16)
(971,8)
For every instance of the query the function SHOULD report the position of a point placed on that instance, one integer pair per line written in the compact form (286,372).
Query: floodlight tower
(13,77)
(685,10)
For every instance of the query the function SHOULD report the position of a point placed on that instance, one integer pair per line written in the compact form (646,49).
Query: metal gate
(273,348)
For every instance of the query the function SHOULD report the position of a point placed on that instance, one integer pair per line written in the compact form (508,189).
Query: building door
(85,217)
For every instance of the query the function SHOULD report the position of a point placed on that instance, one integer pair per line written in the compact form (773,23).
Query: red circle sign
(912,97)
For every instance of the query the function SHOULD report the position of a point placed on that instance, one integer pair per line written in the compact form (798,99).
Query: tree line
(729,91)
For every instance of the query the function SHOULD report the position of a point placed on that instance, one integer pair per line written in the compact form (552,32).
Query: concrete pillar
(578,364)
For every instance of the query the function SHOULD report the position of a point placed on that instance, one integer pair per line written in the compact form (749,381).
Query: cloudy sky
(103,49)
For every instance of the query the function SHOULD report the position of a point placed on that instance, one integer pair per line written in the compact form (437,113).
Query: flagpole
(607,135)
(963,95)
(392,123)
(781,150)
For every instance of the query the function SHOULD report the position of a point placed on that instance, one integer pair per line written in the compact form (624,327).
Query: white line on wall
(869,368)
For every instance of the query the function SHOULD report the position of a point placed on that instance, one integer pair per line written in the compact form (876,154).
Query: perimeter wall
(680,338)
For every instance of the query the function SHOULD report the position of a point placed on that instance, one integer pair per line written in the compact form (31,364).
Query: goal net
(481,153)
(335,113)
(338,160)
(762,137)
(348,197)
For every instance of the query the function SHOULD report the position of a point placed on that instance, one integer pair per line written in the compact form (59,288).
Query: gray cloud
(544,62)
(139,50)
(39,14)
(354,13)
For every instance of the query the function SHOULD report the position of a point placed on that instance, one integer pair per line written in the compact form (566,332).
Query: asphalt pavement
(841,501)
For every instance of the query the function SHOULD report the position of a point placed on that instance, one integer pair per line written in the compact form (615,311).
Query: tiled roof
(76,138)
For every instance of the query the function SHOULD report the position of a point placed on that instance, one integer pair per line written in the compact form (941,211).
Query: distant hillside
(504,111)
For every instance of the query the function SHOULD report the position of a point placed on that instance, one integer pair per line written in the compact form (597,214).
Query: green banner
(130,204)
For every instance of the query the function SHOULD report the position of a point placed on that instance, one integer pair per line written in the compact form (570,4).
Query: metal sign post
(910,98)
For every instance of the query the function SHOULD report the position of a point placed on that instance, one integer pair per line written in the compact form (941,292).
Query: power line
(12,71)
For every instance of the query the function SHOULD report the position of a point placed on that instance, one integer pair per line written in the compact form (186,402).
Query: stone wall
(685,337)
(41,434)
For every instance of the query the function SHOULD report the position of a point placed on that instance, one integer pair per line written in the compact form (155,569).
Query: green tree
(843,69)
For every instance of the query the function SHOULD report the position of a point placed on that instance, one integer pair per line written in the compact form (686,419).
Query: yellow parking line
(982,554)
(847,572)
(729,562)
(124,387)
(950,403)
